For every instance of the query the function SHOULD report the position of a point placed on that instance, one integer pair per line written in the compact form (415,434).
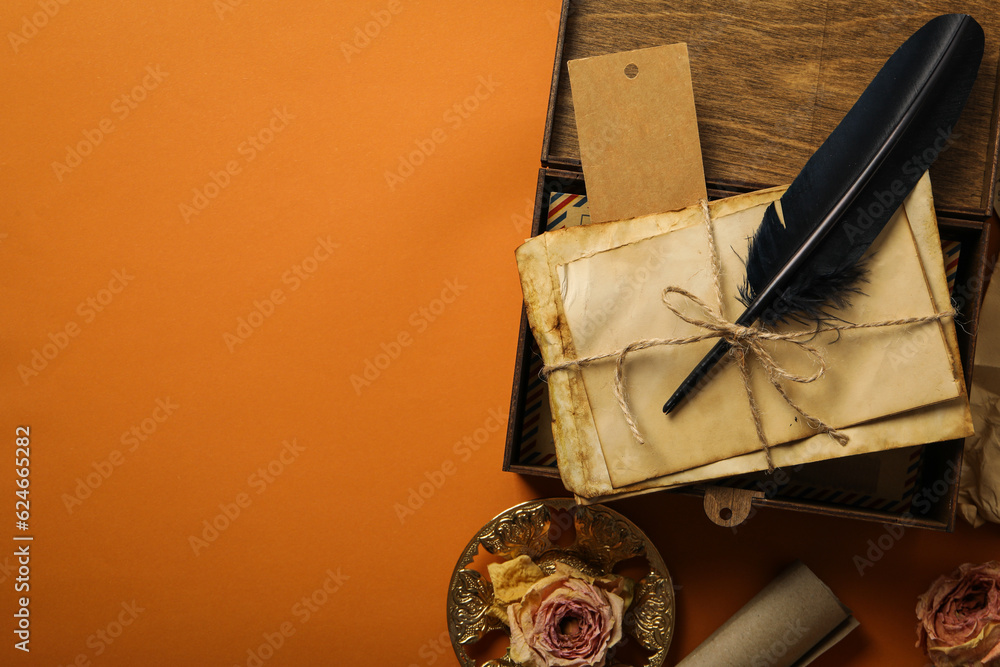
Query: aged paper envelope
(716,424)
(582,458)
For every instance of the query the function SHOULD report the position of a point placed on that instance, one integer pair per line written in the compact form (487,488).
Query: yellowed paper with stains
(882,398)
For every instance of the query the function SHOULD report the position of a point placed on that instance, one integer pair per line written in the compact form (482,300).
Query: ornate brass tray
(603,539)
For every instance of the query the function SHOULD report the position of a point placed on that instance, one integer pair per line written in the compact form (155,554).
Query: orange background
(422,273)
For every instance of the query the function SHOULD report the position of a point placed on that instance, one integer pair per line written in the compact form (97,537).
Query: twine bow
(746,343)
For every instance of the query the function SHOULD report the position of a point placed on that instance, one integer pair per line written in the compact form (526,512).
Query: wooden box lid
(772,79)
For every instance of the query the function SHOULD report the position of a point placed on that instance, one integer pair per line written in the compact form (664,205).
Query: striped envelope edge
(537,446)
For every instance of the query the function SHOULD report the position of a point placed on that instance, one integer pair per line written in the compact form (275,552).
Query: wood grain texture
(727,506)
(772,80)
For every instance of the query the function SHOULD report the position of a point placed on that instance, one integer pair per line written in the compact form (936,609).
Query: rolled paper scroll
(788,624)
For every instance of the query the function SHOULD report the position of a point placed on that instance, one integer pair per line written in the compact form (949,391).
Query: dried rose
(959,617)
(568,619)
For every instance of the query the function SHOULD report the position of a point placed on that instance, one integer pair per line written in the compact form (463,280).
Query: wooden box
(771,81)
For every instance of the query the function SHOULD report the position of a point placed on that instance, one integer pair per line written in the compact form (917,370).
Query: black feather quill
(805,258)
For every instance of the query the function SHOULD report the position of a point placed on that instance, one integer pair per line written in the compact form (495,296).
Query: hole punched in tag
(631,70)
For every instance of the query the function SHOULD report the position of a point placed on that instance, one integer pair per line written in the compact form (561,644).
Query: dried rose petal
(512,579)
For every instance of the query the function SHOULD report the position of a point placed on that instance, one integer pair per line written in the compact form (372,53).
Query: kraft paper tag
(638,131)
